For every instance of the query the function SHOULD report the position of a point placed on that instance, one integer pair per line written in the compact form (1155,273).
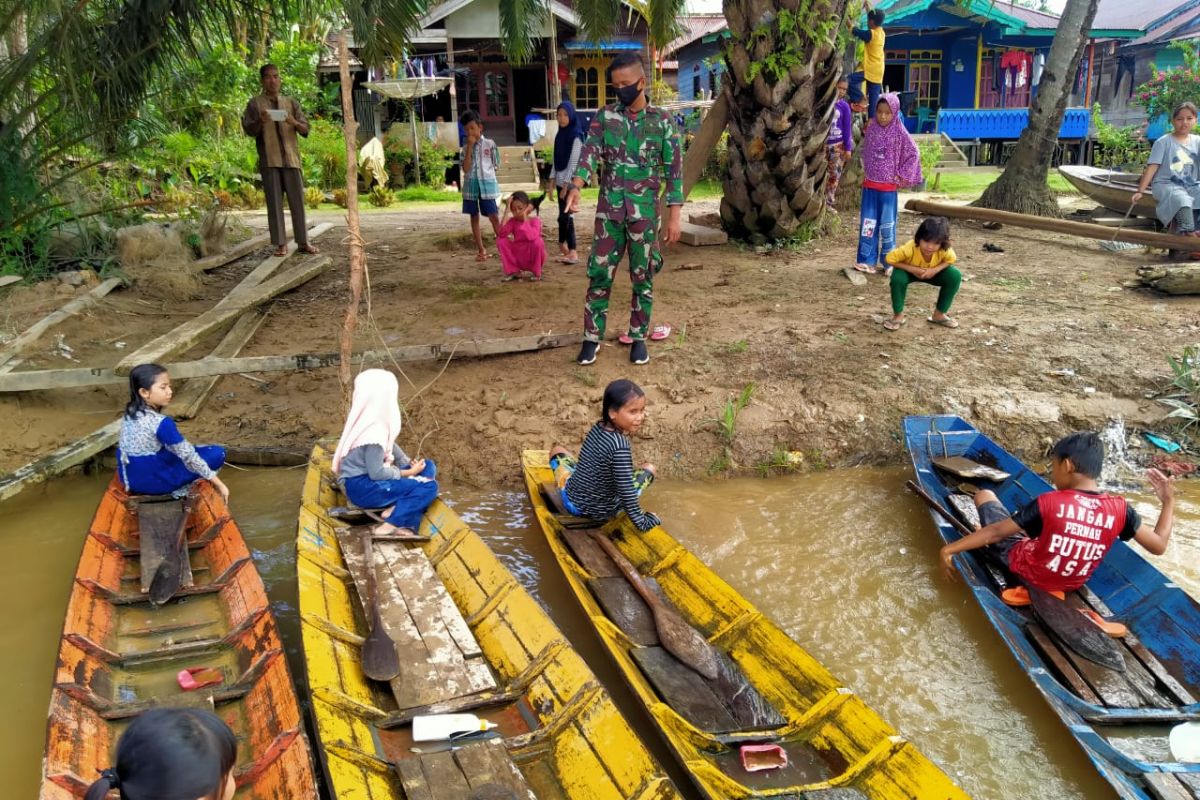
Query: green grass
(970,185)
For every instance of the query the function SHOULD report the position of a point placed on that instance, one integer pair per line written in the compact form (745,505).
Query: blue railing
(1004,123)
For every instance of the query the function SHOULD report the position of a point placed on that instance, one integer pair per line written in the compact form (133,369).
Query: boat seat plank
(444,778)
(685,690)
(745,703)
(1166,786)
(589,554)
(1051,650)
(412,778)
(1155,667)
(553,497)
(487,764)
(625,607)
(1136,676)
(1114,689)
(409,574)
(158,524)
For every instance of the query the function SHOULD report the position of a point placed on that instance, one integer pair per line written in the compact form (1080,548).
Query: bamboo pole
(357,256)
(1069,227)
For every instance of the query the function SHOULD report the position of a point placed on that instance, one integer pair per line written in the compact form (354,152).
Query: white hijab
(374,415)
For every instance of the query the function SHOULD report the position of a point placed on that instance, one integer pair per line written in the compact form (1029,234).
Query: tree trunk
(1022,188)
(783,66)
(357,256)
(1172,278)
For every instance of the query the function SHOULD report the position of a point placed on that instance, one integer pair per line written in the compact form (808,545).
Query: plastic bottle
(436,727)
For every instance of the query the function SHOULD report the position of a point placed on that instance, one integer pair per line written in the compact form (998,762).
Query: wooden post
(453,79)
(1087,86)
(357,256)
(555,85)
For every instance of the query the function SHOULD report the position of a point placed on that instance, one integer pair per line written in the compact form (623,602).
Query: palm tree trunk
(779,116)
(1022,186)
(357,257)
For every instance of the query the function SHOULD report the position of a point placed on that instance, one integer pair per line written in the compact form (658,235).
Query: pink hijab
(374,415)
(889,154)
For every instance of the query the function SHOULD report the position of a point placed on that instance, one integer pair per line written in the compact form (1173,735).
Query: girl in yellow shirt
(928,258)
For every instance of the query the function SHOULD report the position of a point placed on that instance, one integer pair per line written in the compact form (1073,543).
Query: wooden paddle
(165,582)
(678,637)
(380,661)
(1078,632)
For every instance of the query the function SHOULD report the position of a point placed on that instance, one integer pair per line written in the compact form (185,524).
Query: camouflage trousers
(611,240)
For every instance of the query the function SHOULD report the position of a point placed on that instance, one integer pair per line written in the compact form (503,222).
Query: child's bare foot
(482,255)
(394,532)
(384,529)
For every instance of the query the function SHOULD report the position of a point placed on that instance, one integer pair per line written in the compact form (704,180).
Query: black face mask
(628,95)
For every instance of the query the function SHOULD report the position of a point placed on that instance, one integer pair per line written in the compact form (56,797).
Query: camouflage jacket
(638,152)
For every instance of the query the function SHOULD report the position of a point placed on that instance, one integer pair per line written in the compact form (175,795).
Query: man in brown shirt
(274,120)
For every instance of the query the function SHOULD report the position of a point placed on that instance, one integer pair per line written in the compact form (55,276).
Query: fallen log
(266,268)
(1172,278)
(1084,229)
(237,301)
(72,308)
(60,460)
(37,380)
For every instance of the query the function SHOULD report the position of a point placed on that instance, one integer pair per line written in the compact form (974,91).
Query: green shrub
(435,160)
(1124,147)
(717,164)
(250,196)
(380,197)
(313,197)
(339,197)
(323,155)
(1167,89)
(398,160)
(931,154)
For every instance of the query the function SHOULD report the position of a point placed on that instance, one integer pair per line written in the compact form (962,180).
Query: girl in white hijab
(373,470)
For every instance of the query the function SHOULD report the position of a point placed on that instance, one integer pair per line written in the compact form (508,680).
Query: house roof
(445,9)
(1015,18)
(1139,16)
(1174,27)
(695,26)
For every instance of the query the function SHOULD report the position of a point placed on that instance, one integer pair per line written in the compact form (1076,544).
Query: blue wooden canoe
(1121,719)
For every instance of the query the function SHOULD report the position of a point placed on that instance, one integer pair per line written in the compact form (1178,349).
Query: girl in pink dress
(520,240)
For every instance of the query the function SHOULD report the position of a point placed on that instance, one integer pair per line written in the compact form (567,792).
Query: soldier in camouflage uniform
(639,146)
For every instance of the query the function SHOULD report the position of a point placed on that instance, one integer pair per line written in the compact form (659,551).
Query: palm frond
(383,28)
(597,18)
(522,22)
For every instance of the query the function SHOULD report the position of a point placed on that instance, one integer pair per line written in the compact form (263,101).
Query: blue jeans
(877,226)
(410,496)
(874,90)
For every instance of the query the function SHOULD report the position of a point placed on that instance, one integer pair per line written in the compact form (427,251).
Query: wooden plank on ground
(39,380)
(1051,651)
(684,689)
(626,608)
(267,267)
(444,777)
(9,280)
(237,301)
(701,235)
(488,763)
(589,554)
(237,251)
(30,334)
(60,460)
(187,403)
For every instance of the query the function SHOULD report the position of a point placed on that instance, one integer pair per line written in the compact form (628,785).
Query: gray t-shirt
(1176,160)
(368,460)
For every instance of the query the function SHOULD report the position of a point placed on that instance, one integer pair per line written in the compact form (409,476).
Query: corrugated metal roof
(1170,30)
(694,27)
(1127,15)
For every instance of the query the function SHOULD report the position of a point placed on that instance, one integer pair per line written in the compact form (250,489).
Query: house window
(1000,87)
(466,89)
(925,77)
(587,87)
(495,86)
(696,82)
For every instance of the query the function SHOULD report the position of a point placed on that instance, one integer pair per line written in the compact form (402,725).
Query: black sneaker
(638,353)
(587,353)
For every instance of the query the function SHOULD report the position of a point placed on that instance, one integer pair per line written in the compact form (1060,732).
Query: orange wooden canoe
(119,655)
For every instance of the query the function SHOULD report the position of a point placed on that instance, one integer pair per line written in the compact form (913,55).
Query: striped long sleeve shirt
(602,484)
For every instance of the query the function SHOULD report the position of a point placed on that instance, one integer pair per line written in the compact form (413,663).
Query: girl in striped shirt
(603,482)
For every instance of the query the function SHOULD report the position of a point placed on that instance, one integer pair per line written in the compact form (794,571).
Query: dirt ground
(830,385)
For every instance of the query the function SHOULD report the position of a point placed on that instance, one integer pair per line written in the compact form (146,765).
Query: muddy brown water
(844,561)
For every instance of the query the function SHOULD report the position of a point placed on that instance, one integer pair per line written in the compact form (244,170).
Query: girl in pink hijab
(372,469)
(890,161)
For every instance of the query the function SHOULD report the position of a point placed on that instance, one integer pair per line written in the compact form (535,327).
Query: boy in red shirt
(1056,541)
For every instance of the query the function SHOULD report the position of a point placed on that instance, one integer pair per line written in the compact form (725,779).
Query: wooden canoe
(1120,718)
(470,638)
(1113,190)
(769,689)
(119,655)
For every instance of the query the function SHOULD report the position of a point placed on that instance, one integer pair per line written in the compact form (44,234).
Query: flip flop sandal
(1018,596)
(194,678)
(946,322)
(1113,629)
(893,325)
(865,268)
(658,333)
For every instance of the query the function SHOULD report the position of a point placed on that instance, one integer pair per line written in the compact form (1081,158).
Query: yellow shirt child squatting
(910,255)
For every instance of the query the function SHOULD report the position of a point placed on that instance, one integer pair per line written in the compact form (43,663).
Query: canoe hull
(846,744)
(119,655)
(578,746)
(1161,652)
(1113,190)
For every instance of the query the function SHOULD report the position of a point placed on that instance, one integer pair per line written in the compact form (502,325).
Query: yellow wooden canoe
(832,738)
(575,744)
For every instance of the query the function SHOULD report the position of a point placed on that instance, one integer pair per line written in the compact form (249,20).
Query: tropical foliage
(1167,88)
